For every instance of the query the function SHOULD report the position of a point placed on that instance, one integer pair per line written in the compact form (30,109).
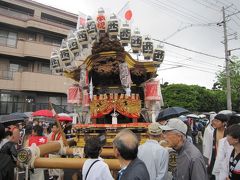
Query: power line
(180,47)
(188,26)
(168,8)
(206,6)
(197,61)
(185,11)
(192,68)
(179,63)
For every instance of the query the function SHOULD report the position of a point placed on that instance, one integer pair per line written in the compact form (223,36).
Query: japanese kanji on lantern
(147,48)
(91,28)
(65,55)
(136,41)
(113,26)
(158,54)
(73,44)
(125,34)
(56,63)
(101,21)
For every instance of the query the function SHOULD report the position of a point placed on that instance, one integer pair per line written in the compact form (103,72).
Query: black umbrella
(12,119)
(19,114)
(171,112)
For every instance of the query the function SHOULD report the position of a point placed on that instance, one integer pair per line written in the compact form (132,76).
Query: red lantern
(152,91)
(74,95)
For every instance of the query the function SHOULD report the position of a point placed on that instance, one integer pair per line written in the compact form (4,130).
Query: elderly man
(125,147)
(190,162)
(153,154)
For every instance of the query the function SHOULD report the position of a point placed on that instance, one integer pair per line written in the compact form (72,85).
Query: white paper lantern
(136,41)
(158,54)
(65,55)
(125,34)
(113,26)
(82,37)
(91,28)
(72,44)
(147,47)
(56,63)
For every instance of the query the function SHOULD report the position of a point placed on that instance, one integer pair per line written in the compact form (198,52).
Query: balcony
(29,81)
(28,49)
(27,21)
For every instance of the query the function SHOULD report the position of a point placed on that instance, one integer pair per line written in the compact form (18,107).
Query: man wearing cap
(190,162)
(153,154)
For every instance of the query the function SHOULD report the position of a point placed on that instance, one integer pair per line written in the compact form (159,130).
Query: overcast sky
(162,18)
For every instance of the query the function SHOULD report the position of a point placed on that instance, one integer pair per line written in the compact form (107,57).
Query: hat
(221,117)
(175,124)
(154,129)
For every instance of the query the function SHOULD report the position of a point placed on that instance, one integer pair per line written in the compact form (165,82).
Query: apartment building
(29,31)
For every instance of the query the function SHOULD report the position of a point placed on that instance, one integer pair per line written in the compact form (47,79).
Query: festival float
(114,69)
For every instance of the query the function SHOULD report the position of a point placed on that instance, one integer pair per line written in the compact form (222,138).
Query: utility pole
(229,98)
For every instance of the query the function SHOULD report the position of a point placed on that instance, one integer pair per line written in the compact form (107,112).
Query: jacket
(10,149)
(136,170)
(6,167)
(190,164)
(155,158)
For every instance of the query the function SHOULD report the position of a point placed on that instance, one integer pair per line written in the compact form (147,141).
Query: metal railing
(6,74)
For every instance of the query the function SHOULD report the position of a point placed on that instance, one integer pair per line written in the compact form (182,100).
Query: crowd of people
(170,151)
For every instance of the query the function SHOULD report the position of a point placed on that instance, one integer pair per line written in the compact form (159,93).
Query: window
(58,20)
(8,38)
(55,100)
(52,40)
(46,69)
(31,37)
(14,67)
(6,97)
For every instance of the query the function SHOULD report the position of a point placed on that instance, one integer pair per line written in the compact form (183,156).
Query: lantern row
(79,43)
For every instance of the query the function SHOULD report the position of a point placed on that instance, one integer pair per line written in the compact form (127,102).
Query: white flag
(82,19)
(125,14)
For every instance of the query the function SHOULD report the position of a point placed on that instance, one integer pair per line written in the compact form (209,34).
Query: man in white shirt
(153,154)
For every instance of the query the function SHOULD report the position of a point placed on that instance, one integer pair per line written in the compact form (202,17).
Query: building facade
(29,31)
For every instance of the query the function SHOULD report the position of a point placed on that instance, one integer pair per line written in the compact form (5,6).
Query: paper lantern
(152,91)
(55,63)
(136,41)
(147,48)
(158,54)
(113,26)
(65,55)
(125,34)
(91,28)
(101,21)
(82,38)
(74,95)
(72,43)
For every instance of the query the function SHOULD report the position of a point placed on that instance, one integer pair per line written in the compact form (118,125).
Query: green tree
(193,97)
(234,67)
